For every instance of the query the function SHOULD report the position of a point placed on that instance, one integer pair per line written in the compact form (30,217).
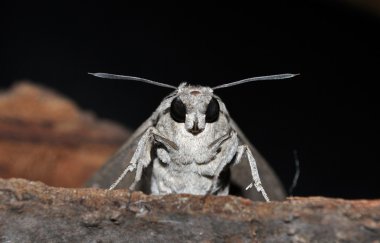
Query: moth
(189,143)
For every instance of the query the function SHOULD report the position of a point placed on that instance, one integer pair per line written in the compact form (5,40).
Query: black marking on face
(212,112)
(195,130)
(178,110)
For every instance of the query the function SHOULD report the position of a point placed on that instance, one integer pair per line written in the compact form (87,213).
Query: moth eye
(178,110)
(212,112)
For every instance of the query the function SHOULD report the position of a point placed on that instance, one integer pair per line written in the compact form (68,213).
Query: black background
(329,113)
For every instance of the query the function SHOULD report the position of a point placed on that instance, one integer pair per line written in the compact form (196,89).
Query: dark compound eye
(212,112)
(178,110)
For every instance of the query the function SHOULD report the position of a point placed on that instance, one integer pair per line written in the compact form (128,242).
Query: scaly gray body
(191,168)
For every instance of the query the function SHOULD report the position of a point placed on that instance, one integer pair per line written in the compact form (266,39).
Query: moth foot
(249,186)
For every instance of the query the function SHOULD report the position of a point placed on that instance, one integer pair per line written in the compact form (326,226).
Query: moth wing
(241,174)
(114,166)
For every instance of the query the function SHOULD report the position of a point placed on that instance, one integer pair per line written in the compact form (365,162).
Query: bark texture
(34,212)
(45,136)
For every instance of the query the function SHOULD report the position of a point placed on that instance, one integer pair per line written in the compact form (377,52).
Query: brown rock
(46,137)
(34,212)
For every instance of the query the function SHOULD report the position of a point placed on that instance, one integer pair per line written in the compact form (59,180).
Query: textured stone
(46,137)
(34,212)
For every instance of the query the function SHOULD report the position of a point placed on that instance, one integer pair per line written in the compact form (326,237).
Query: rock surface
(34,212)
(46,137)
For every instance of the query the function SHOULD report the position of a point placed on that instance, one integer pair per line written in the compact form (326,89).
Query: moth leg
(142,163)
(230,138)
(141,158)
(146,159)
(255,173)
(128,169)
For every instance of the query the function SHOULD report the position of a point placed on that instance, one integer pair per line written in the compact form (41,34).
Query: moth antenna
(122,77)
(260,78)
(297,174)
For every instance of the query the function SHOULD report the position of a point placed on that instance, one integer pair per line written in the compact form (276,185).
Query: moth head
(194,106)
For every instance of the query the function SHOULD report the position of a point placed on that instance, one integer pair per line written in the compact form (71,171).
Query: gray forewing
(241,177)
(107,174)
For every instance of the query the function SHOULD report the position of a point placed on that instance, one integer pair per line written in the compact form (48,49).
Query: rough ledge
(33,212)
